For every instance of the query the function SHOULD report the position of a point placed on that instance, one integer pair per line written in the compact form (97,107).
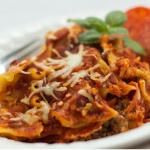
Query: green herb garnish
(115,18)
(134,45)
(90,37)
(112,25)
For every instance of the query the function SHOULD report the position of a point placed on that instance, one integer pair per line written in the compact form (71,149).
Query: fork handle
(20,54)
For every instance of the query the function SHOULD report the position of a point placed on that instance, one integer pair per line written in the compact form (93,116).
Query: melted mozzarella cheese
(73,60)
(43,66)
(56,53)
(31,116)
(66,64)
(65,72)
(104,79)
(86,94)
(48,89)
(45,109)
(25,100)
(94,75)
(76,78)
(63,67)
(61,89)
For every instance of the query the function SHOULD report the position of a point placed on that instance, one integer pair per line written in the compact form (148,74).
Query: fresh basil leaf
(81,22)
(97,24)
(136,47)
(89,37)
(118,30)
(115,18)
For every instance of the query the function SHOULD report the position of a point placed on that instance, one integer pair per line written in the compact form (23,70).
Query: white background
(16,15)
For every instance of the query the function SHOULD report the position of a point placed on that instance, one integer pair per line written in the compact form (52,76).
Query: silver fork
(20,53)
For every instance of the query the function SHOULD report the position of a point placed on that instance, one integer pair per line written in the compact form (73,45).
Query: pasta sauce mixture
(73,91)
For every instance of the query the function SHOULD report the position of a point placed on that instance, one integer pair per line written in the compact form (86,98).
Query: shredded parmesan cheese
(61,89)
(68,95)
(56,53)
(75,78)
(25,100)
(60,103)
(43,66)
(65,65)
(48,89)
(25,72)
(104,79)
(31,116)
(86,94)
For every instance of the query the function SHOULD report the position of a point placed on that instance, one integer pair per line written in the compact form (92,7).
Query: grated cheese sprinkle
(86,94)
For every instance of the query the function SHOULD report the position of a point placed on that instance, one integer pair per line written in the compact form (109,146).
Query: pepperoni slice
(138,24)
